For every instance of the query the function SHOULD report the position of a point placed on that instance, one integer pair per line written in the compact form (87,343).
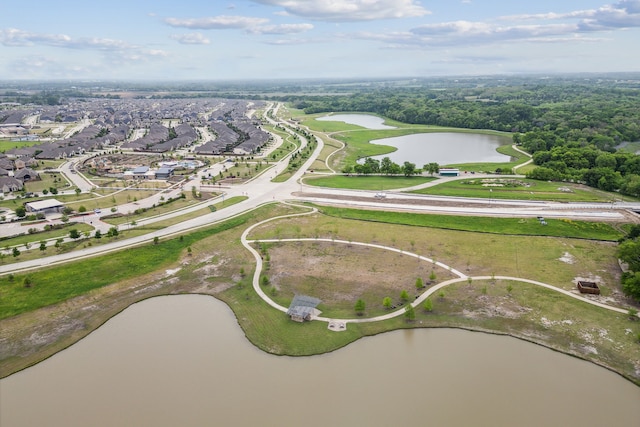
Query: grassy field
(32,239)
(512,226)
(519,189)
(52,285)
(370,182)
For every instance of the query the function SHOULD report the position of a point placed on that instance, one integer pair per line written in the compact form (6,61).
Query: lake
(444,148)
(183,360)
(365,120)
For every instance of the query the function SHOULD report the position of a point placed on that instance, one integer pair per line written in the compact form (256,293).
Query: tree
(15,252)
(629,252)
(428,305)
(431,168)
(631,284)
(21,211)
(409,169)
(74,233)
(98,234)
(156,240)
(113,232)
(386,166)
(386,302)
(419,283)
(359,307)
(43,246)
(82,209)
(404,295)
(409,313)
(78,191)
(432,276)
(264,280)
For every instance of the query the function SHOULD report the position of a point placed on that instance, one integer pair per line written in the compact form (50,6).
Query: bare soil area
(339,274)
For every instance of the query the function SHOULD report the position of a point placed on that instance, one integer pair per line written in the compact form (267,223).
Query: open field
(370,182)
(520,189)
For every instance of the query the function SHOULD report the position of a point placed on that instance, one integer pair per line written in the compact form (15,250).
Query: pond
(444,148)
(365,120)
(183,360)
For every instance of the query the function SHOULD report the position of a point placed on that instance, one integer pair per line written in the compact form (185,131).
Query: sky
(305,39)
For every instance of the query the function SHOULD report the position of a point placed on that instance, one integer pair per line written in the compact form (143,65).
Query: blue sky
(286,39)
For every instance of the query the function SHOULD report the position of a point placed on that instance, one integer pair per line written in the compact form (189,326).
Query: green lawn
(55,284)
(369,182)
(512,226)
(518,189)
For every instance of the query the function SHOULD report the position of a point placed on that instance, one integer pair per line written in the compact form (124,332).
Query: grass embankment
(32,239)
(369,182)
(330,155)
(51,285)
(519,189)
(513,226)
(90,240)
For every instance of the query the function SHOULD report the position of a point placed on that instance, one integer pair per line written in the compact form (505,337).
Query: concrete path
(401,311)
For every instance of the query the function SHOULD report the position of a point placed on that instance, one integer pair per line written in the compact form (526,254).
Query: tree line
(372,166)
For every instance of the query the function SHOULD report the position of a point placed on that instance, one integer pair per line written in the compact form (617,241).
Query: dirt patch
(339,274)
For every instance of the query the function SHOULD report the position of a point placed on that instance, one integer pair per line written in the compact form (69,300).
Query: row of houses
(145,172)
(86,140)
(157,139)
(242,137)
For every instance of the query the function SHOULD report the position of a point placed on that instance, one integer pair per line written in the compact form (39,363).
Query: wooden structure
(588,288)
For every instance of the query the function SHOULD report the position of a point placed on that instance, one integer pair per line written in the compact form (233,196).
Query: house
(140,172)
(25,162)
(164,173)
(9,184)
(26,174)
(303,308)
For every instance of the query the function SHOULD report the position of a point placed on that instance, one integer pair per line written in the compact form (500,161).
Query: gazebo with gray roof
(303,308)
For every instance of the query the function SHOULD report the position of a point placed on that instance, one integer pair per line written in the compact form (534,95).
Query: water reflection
(364,120)
(183,360)
(444,148)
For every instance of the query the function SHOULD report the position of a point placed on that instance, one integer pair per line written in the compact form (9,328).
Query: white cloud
(282,29)
(217,22)
(192,38)
(115,50)
(350,10)
(544,28)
